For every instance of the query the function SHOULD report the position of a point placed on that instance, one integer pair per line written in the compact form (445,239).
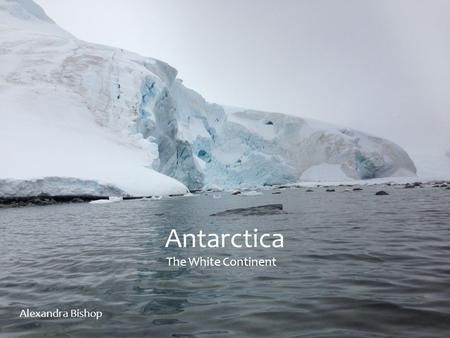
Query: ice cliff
(73,109)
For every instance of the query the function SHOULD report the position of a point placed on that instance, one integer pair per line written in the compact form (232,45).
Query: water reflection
(352,266)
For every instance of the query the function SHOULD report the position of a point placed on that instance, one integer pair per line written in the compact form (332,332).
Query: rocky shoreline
(46,199)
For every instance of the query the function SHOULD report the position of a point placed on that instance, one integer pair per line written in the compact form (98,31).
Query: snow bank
(324,172)
(61,112)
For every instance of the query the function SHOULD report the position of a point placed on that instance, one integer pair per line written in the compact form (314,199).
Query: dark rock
(409,186)
(381,193)
(128,198)
(330,190)
(276,193)
(269,123)
(234,193)
(39,201)
(309,190)
(357,189)
(45,199)
(269,209)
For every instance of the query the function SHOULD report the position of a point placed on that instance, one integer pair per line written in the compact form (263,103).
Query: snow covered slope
(60,107)
(77,110)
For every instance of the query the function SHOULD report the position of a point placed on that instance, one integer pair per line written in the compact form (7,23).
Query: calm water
(353,265)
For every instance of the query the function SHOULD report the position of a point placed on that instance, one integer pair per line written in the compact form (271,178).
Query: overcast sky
(382,66)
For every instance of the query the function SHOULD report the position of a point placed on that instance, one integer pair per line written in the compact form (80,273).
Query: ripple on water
(352,266)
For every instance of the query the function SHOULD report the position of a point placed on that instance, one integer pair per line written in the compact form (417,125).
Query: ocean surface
(353,265)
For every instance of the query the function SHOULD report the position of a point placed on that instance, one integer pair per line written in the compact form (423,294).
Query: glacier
(79,111)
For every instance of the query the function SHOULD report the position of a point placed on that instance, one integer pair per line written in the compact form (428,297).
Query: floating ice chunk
(112,199)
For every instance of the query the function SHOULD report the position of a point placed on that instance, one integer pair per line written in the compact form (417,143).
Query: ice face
(157,123)
(252,148)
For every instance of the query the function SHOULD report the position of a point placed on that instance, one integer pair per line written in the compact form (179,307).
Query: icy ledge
(66,186)
(56,186)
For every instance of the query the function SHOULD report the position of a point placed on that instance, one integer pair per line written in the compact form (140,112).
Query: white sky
(382,66)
